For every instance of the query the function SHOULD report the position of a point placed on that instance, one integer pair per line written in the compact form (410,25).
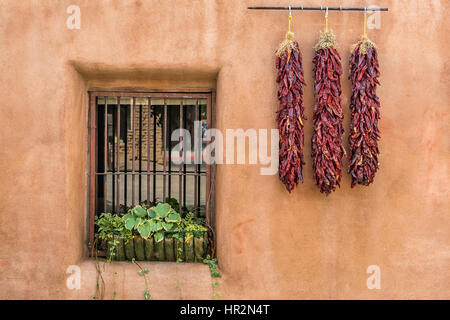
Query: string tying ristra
(365,43)
(327,39)
(288,44)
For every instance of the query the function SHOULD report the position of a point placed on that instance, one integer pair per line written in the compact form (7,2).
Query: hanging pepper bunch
(327,148)
(365,112)
(290,114)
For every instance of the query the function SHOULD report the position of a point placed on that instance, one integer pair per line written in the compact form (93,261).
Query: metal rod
(118,156)
(154,153)
(113,162)
(105,150)
(318,8)
(157,173)
(196,150)
(140,152)
(148,148)
(170,153)
(125,195)
(133,127)
(180,179)
(184,159)
(164,146)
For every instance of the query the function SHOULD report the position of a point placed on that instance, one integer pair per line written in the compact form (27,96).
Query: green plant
(111,226)
(144,272)
(212,264)
(188,224)
(152,221)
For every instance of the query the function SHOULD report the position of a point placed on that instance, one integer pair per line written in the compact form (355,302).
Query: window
(133,158)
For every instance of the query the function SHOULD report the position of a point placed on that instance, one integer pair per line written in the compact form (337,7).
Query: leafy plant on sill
(111,226)
(152,221)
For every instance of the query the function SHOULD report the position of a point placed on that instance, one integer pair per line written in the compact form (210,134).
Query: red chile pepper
(327,148)
(365,113)
(290,114)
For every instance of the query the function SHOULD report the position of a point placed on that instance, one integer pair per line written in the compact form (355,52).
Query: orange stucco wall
(271,244)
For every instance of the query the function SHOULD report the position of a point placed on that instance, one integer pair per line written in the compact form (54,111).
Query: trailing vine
(144,272)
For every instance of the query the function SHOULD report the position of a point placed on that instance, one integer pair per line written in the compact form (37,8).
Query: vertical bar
(180,178)
(199,165)
(118,156)
(208,166)
(132,152)
(184,161)
(105,148)
(170,153)
(148,149)
(164,146)
(113,162)
(154,153)
(93,167)
(125,189)
(193,243)
(196,147)
(140,153)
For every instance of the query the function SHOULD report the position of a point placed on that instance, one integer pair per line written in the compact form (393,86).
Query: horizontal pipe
(144,173)
(322,8)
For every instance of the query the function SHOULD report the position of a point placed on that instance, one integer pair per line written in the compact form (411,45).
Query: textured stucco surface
(271,244)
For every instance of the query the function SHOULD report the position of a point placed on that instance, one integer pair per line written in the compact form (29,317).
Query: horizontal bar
(148,94)
(167,231)
(322,8)
(173,173)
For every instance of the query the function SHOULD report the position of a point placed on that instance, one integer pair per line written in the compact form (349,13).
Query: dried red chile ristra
(327,148)
(290,114)
(365,113)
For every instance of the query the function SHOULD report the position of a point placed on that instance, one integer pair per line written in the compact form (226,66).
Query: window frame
(93,157)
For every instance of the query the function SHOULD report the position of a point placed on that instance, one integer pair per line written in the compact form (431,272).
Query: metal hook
(326,12)
(321,8)
(340,8)
(290,12)
(302,8)
(365,11)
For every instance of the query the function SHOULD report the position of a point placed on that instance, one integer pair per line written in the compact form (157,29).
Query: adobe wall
(271,244)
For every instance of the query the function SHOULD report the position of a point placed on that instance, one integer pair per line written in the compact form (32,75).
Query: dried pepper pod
(365,113)
(327,148)
(290,115)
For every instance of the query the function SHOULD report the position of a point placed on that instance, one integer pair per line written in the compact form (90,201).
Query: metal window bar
(169,121)
(180,188)
(184,162)
(105,128)
(119,118)
(149,101)
(164,149)
(140,152)
(196,150)
(133,127)
(118,157)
